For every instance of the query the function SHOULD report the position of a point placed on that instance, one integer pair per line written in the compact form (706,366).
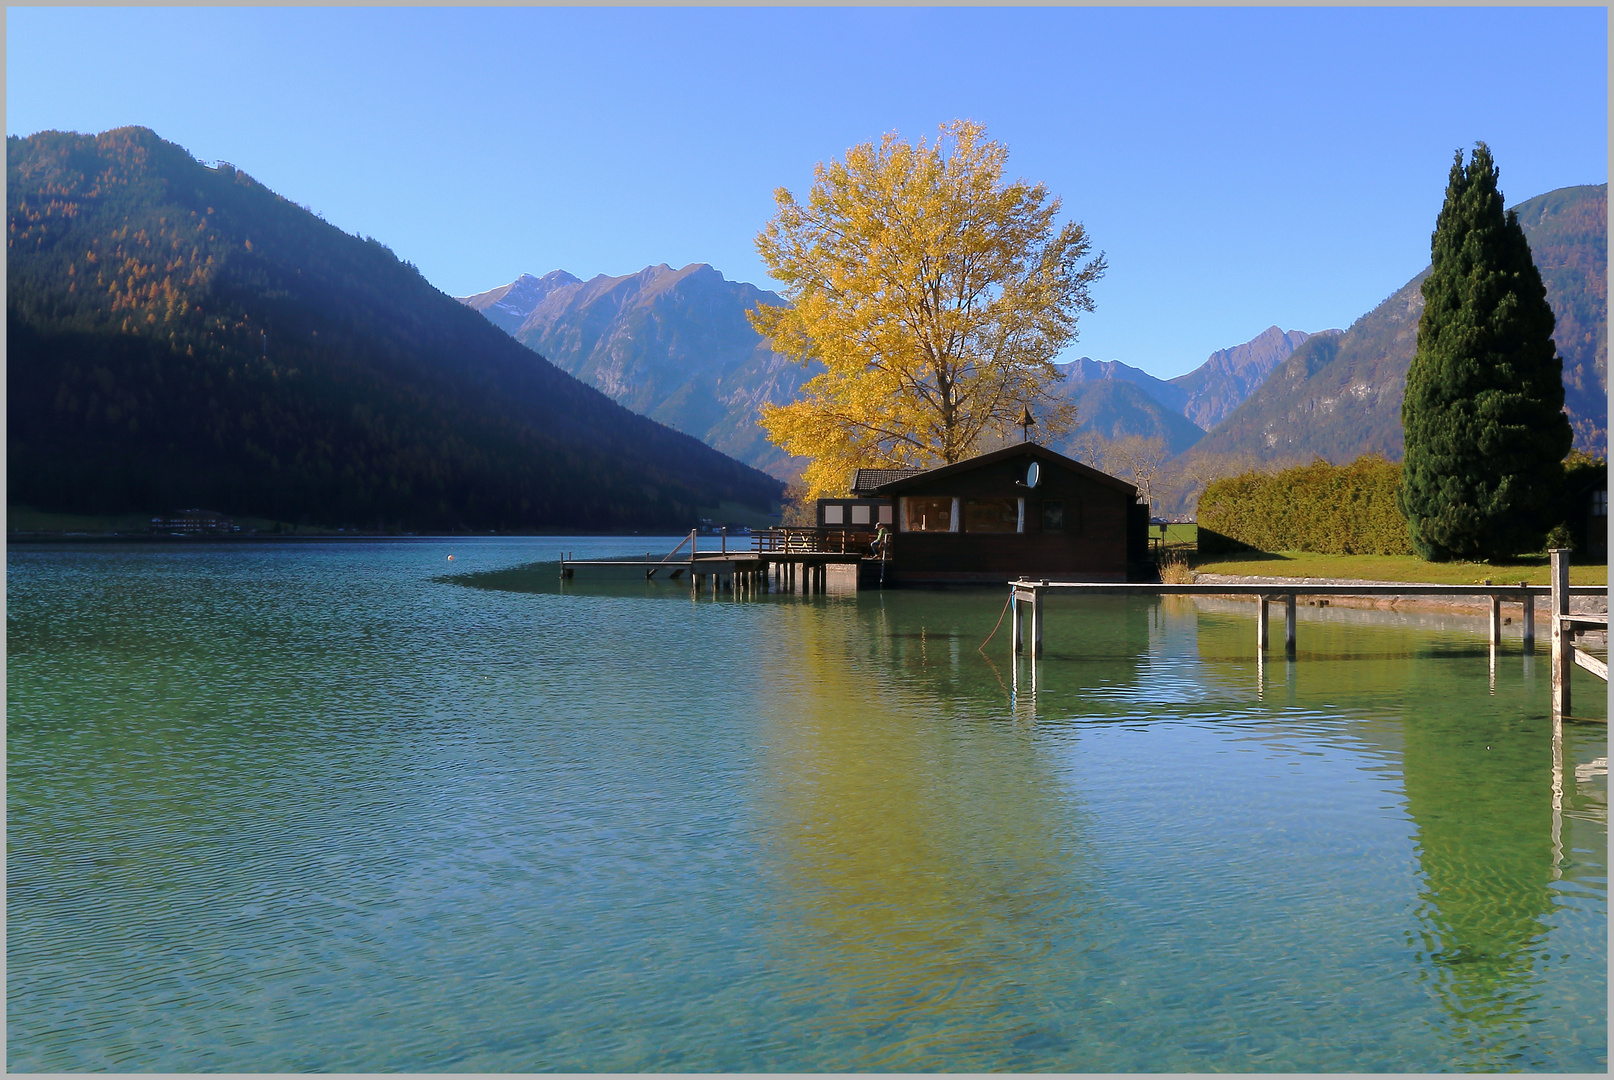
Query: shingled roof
(864,481)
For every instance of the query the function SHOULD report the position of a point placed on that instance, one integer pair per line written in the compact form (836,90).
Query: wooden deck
(777,567)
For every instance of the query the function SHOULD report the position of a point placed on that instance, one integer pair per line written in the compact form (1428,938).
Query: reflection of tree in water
(928,862)
(1480,792)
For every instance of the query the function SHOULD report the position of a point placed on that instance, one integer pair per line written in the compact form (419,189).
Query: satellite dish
(1033,474)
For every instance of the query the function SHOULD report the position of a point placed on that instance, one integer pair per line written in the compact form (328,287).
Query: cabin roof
(1008,453)
(865,481)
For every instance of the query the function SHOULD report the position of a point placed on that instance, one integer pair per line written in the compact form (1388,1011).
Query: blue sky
(1240,167)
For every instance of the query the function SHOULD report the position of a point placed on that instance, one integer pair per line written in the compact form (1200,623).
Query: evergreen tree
(1483,414)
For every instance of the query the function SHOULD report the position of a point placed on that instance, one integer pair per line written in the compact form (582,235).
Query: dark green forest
(179,335)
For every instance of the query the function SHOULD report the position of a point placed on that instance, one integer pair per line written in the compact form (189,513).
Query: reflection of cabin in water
(1022,510)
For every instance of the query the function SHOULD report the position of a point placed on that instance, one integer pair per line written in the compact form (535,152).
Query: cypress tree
(1483,414)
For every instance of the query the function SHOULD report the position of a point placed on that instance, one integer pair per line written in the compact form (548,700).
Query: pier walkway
(1026,599)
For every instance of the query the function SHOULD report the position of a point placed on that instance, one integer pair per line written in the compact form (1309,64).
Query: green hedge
(1329,509)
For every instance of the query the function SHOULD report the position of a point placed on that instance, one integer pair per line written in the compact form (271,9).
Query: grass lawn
(1395,568)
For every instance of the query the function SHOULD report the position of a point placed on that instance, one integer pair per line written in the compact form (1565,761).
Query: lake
(320,806)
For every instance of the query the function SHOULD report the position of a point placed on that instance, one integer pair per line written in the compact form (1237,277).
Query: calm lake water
(311,806)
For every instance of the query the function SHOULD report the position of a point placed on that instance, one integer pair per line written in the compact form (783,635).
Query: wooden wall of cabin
(1093,545)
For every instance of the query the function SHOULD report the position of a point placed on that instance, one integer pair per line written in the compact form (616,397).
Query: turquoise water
(315,806)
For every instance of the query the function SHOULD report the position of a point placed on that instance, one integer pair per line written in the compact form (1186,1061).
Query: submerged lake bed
(352,806)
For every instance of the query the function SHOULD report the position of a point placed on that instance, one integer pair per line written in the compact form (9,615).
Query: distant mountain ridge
(1223,382)
(1114,399)
(673,345)
(1340,397)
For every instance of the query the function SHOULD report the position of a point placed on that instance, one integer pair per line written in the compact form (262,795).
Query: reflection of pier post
(1557,797)
(1289,626)
(1529,622)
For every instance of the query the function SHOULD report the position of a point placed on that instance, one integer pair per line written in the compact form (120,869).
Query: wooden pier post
(1496,622)
(1563,648)
(1289,626)
(1016,636)
(1036,623)
(1261,624)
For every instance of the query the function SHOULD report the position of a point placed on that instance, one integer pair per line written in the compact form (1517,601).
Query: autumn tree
(935,294)
(1140,459)
(1483,414)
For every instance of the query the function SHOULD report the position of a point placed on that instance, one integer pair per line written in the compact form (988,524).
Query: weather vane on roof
(1026,420)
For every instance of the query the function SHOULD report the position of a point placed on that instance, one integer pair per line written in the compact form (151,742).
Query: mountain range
(675,346)
(180,335)
(1114,400)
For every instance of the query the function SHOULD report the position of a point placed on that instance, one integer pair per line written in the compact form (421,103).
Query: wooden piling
(1036,622)
(1563,659)
(1496,622)
(1016,637)
(1261,624)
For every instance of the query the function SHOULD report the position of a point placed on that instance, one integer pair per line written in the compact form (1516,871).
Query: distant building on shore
(188,522)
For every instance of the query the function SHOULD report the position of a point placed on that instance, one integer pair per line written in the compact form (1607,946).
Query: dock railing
(812,540)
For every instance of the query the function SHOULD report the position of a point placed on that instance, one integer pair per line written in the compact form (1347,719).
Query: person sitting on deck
(882,540)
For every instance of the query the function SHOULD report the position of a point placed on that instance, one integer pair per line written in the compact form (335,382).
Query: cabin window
(990,515)
(885,514)
(1053,516)
(860,515)
(929,515)
(832,514)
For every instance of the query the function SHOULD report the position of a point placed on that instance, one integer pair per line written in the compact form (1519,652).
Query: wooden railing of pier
(812,541)
(1026,604)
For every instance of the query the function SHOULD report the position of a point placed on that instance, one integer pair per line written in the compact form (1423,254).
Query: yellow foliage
(935,294)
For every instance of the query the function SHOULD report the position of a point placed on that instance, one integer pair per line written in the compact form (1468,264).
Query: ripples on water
(313,807)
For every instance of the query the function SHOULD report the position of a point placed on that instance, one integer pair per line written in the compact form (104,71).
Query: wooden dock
(784,570)
(1026,600)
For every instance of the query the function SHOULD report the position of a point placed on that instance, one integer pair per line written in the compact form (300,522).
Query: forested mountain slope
(179,335)
(673,345)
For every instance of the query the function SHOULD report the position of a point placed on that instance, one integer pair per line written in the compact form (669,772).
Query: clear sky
(1240,167)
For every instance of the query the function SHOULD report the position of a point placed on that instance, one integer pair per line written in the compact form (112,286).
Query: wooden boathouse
(1021,510)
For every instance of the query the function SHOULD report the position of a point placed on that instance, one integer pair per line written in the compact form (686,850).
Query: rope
(982,646)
